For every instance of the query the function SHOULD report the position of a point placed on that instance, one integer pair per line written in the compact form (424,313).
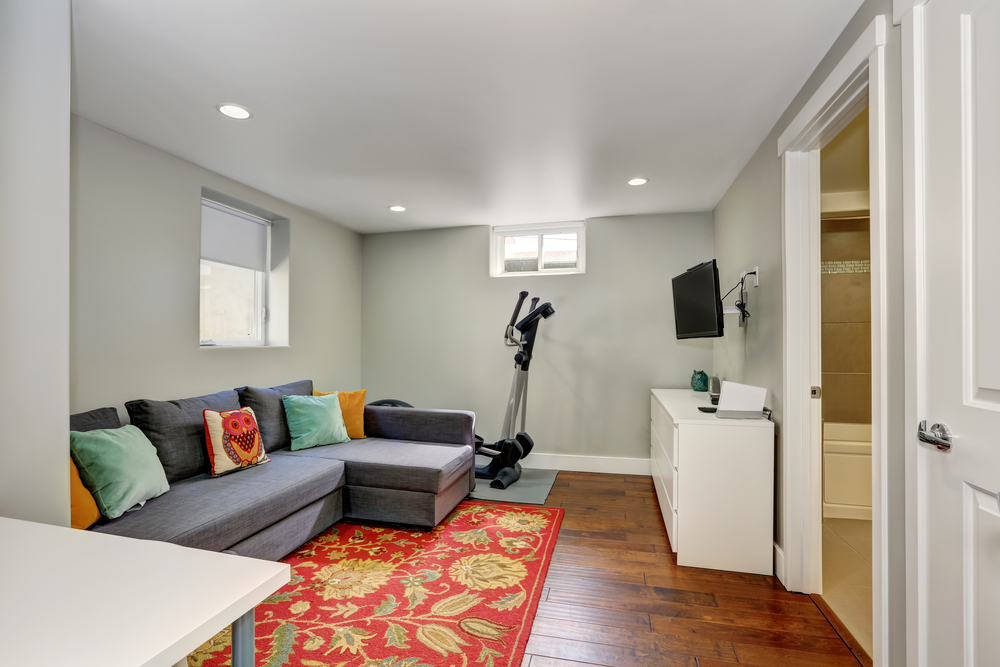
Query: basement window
(543,249)
(235,256)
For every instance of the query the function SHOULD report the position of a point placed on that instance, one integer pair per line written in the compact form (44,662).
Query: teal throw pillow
(119,467)
(314,420)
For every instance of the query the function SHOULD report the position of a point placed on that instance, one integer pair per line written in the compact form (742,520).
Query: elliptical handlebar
(511,337)
(544,311)
(517,309)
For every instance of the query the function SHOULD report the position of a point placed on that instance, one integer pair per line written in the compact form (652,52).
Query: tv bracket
(741,302)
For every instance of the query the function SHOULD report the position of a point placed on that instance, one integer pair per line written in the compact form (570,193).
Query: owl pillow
(233,440)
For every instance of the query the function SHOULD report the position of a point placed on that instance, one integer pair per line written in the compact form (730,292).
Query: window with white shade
(235,256)
(552,248)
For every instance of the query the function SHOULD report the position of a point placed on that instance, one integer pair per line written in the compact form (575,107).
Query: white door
(956,378)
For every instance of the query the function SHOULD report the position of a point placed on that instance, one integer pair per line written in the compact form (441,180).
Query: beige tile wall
(846,316)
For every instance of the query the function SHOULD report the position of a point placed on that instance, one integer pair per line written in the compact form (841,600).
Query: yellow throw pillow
(352,404)
(82,506)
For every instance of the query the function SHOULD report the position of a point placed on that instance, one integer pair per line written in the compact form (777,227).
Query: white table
(74,597)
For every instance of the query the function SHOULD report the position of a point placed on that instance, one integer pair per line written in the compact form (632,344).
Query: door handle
(939,435)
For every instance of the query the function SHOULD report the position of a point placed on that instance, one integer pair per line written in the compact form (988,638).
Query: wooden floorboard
(856,648)
(617,619)
(615,597)
(617,545)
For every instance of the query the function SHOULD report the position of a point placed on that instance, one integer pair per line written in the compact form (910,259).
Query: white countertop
(682,405)
(80,598)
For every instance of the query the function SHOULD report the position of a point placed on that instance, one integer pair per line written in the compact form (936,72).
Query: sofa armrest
(454,427)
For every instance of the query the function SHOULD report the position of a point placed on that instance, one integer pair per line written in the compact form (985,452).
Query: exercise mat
(531,489)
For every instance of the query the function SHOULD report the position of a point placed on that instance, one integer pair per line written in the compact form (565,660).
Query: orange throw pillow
(82,506)
(352,404)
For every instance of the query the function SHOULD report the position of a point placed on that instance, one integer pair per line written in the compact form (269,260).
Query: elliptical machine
(514,445)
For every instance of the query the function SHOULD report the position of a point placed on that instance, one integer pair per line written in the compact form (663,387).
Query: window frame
(261,281)
(540,230)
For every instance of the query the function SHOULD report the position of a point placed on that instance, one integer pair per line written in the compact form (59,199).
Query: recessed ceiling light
(638,181)
(234,111)
(397,209)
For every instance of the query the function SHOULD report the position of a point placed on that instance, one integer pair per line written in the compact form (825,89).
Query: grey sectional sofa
(413,468)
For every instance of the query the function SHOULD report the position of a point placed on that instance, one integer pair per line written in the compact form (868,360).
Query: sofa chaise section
(413,468)
(398,481)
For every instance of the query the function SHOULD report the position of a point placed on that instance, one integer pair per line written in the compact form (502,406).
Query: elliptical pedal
(527,444)
(507,476)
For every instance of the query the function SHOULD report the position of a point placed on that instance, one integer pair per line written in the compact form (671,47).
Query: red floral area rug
(462,595)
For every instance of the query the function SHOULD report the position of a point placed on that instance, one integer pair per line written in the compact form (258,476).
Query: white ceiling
(466,112)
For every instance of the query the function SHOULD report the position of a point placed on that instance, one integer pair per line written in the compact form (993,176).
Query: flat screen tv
(697,306)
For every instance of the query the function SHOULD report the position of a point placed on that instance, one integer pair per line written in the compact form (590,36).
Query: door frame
(910,14)
(856,82)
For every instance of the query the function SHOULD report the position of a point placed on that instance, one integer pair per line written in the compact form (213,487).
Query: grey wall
(433,322)
(34,259)
(748,233)
(135,249)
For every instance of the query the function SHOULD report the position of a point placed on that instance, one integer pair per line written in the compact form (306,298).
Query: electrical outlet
(756,276)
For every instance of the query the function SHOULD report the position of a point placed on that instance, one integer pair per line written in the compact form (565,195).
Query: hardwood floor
(615,596)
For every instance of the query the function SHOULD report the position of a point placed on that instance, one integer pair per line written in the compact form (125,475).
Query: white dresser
(714,482)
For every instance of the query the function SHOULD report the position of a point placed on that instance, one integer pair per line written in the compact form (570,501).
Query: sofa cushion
(95,419)
(83,508)
(398,464)
(314,421)
(177,430)
(270,411)
(216,513)
(118,466)
(453,427)
(352,406)
(233,441)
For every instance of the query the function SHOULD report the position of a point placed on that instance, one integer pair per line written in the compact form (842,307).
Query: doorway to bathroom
(845,289)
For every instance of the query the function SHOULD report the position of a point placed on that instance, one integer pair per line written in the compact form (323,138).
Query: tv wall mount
(741,299)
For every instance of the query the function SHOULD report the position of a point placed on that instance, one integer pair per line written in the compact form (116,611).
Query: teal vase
(699,381)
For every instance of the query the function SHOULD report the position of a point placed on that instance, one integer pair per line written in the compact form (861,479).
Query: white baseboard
(779,564)
(609,464)
(846,512)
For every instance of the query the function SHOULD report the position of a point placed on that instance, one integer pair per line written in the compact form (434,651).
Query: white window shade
(232,237)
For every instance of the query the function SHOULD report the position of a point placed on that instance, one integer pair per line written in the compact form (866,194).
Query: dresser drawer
(667,472)
(663,500)
(667,430)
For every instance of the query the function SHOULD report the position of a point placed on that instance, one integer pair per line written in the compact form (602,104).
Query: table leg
(243,641)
